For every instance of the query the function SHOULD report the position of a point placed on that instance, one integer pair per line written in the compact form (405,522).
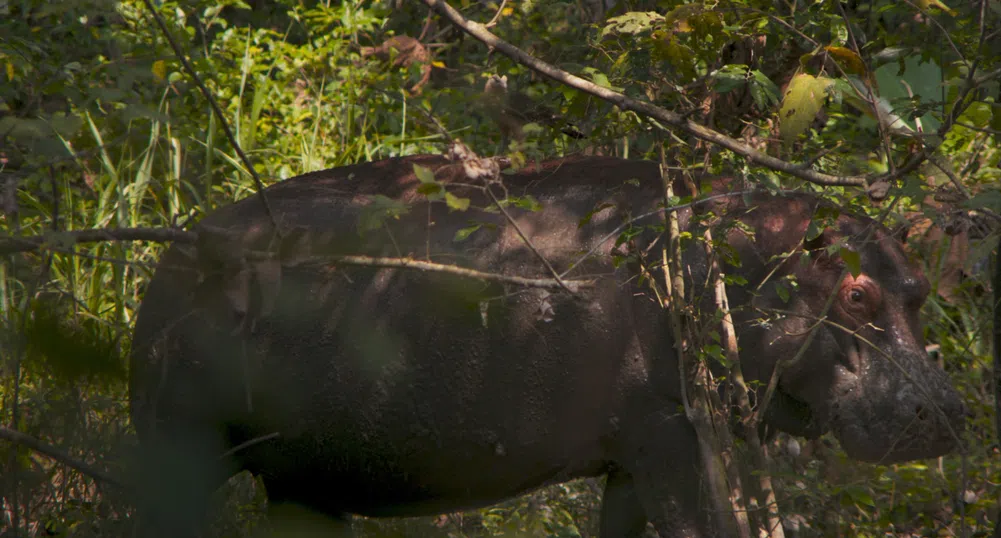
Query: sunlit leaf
(802,101)
(424,174)
(848,59)
(456,203)
(463,233)
(160,70)
(632,23)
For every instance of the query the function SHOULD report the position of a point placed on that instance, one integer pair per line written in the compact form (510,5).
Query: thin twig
(58,455)
(670,118)
(573,286)
(614,233)
(971,80)
(13,244)
(215,109)
(930,399)
(781,364)
(994,132)
(528,242)
(497,15)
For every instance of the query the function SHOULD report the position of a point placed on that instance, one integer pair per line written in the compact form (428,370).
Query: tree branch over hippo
(672,119)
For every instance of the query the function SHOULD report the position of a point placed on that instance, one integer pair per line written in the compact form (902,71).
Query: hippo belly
(378,415)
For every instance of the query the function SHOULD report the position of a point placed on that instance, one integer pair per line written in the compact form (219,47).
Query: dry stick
(215,109)
(672,119)
(573,286)
(783,363)
(996,367)
(696,400)
(27,244)
(12,244)
(525,238)
(24,439)
(729,335)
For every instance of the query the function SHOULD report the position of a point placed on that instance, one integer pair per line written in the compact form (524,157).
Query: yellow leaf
(439,64)
(10,71)
(849,61)
(160,69)
(800,104)
(678,18)
(507,11)
(926,4)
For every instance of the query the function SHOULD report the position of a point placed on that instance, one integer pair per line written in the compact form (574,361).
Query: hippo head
(865,374)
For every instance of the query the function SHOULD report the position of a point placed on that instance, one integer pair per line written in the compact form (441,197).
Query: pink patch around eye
(775,224)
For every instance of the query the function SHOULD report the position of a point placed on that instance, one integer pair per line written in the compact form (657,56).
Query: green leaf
(860,496)
(763,90)
(424,174)
(978,114)
(803,99)
(729,77)
(525,202)
(463,233)
(782,291)
(431,190)
(632,23)
(381,208)
(590,214)
(734,280)
(852,260)
(813,231)
(456,203)
(990,199)
(910,76)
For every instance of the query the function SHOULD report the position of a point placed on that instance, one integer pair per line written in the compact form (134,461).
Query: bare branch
(672,119)
(54,453)
(59,240)
(409,263)
(972,81)
(525,238)
(615,233)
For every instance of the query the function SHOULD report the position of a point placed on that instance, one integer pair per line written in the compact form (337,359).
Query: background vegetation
(100,127)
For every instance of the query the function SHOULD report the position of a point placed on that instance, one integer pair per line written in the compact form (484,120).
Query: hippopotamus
(294,347)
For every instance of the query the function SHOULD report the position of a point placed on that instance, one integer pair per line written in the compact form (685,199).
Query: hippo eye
(856,295)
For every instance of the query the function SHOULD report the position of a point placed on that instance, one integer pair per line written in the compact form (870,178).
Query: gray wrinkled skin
(398,392)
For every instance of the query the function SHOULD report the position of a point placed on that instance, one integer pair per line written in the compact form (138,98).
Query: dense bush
(100,127)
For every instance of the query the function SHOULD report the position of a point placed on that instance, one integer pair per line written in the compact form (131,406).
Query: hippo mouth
(884,443)
(793,416)
(878,421)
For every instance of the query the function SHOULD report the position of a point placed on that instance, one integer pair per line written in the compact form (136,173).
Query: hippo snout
(911,424)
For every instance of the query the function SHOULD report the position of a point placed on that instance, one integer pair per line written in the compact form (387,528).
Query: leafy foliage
(100,127)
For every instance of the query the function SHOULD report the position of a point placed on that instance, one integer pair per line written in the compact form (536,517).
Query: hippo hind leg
(622,514)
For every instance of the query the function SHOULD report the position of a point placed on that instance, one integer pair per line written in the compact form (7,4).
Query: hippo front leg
(660,475)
